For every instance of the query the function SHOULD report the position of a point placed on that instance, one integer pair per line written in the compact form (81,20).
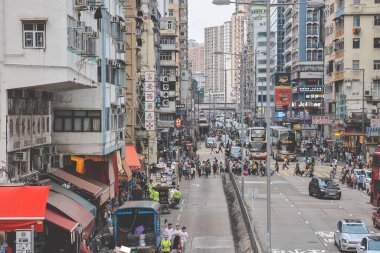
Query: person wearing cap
(166,244)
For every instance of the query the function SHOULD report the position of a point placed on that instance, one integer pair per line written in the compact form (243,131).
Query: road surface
(204,212)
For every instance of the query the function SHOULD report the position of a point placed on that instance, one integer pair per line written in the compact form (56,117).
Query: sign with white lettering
(23,241)
(373,131)
(321,120)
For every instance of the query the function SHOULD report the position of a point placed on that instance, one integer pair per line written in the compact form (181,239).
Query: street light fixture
(267,3)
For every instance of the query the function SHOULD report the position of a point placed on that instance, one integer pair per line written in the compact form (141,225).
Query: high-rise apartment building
(239,32)
(304,60)
(197,57)
(214,42)
(352,61)
(228,61)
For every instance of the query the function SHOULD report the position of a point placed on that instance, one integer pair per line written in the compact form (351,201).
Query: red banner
(283,95)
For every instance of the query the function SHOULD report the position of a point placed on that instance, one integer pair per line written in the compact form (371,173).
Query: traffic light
(178,122)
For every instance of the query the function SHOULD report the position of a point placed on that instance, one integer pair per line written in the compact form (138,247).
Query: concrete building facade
(57,97)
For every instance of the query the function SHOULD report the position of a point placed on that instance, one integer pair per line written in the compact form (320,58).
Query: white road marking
(299,213)
(183,201)
(180,210)
(178,217)
(350,215)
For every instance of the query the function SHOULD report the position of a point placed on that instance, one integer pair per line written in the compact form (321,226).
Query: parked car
(324,188)
(236,152)
(349,233)
(369,244)
(210,141)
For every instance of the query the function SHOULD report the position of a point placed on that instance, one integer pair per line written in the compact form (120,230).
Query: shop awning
(132,159)
(74,210)
(59,189)
(22,207)
(60,220)
(85,185)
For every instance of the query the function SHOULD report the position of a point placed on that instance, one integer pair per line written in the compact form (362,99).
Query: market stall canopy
(22,207)
(132,159)
(74,210)
(59,189)
(62,222)
(92,189)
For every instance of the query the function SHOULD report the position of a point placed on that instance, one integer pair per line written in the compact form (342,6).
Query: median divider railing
(247,220)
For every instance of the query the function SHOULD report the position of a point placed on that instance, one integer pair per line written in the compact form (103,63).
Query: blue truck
(137,226)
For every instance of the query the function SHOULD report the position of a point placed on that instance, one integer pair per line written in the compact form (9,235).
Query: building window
(34,34)
(376,42)
(166,56)
(171,12)
(170,25)
(376,64)
(355,64)
(377,1)
(377,20)
(356,20)
(355,43)
(77,121)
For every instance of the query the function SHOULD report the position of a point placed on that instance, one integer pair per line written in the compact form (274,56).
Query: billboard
(282,92)
(282,96)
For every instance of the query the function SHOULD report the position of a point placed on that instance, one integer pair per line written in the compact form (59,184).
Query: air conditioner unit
(166,94)
(120,92)
(165,102)
(20,157)
(367,93)
(80,4)
(88,29)
(57,161)
(165,86)
(114,19)
(81,24)
(165,79)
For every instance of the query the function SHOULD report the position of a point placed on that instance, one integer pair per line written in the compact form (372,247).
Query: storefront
(23,207)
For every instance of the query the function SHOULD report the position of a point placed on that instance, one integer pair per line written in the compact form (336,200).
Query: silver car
(211,141)
(349,234)
(369,244)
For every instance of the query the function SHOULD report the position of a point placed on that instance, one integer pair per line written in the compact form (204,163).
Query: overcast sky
(202,13)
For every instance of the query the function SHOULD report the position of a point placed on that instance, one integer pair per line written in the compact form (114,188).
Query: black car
(324,188)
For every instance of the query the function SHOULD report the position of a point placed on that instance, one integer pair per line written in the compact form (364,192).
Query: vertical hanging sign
(150,89)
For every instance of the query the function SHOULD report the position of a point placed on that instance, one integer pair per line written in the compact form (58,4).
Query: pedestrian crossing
(288,173)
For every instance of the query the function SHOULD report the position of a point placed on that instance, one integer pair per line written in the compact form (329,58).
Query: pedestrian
(184,237)
(212,149)
(169,231)
(284,165)
(214,168)
(166,244)
(276,167)
(220,148)
(221,167)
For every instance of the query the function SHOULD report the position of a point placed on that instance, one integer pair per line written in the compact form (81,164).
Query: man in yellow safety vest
(166,244)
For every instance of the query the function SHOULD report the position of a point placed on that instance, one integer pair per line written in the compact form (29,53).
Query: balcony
(167,63)
(169,47)
(339,76)
(339,12)
(339,54)
(339,33)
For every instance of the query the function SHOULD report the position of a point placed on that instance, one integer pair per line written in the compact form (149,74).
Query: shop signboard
(373,131)
(321,120)
(150,88)
(282,79)
(24,241)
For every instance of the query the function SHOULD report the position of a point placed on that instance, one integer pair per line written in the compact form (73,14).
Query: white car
(369,244)
(349,234)
(368,176)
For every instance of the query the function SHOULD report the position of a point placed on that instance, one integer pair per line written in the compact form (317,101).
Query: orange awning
(132,159)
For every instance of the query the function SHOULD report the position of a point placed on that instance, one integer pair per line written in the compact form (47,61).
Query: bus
(375,178)
(204,126)
(283,143)
(257,142)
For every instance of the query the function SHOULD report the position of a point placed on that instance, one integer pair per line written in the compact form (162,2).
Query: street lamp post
(362,148)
